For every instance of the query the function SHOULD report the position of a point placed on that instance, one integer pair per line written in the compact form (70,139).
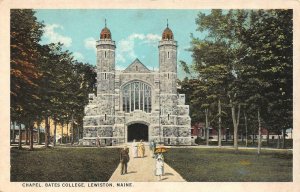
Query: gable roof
(137,67)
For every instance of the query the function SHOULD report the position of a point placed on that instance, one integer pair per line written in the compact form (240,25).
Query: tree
(83,82)
(46,81)
(268,66)
(236,60)
(25,34)
(216,60)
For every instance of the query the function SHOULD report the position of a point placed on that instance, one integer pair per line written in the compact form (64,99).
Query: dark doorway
(137,131)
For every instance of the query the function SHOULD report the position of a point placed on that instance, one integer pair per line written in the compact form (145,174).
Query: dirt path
(142,170)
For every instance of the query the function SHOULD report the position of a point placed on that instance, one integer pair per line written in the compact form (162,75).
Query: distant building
(274,135)
(198,130)
(66,128)
(14,133)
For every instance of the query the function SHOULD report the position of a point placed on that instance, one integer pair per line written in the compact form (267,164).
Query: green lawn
(195,165)
(64,164)
(224,165)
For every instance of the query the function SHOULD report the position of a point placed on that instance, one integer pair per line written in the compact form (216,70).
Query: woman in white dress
(159,167)
(134,149)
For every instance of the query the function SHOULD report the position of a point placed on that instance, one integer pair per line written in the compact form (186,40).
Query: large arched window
(136,96)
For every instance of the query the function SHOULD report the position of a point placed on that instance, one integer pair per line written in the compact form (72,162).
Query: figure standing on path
(124,159)
(134,149)
(152,148)
(141,149)
(159,168)
(98,141)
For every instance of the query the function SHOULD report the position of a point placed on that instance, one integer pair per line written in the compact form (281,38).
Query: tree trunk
(220,127)
(204,133)
(253,137)
(278,141)
(242,137)
(54,134)
(72,125)
(206,127)
(259,133)
(246,127)
(39,133)
(13,132)
(31,136)
(46,132)
(235,120)
(268,135)
(67,138)
(26,134)
(283,138)
(77,134)
(20,137)
(62,133)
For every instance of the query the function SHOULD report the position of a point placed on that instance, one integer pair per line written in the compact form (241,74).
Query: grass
(194,164)
(224,165)
(63,164)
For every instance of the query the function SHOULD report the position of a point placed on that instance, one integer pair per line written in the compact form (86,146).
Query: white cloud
(126,46)
(78,56)
(136,36)
(53,37)
(152,38)
(90,43)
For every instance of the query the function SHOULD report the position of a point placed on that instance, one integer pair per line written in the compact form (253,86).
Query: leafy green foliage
(24,37)
(246,60)
(45,79)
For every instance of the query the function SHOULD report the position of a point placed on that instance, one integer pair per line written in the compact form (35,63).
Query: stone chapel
(136,103)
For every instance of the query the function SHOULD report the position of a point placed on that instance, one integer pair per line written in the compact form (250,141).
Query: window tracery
(136,96)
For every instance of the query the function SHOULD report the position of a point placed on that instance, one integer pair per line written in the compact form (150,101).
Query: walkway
(142,170)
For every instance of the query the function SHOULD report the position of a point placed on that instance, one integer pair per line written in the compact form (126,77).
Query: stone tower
(100,114)
(105,83)
(168,62)
(168,76)
(174,114)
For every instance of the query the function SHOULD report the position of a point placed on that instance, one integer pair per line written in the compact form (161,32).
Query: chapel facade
(136,103)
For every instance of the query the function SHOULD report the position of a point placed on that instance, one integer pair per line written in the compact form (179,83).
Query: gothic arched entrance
(137,131)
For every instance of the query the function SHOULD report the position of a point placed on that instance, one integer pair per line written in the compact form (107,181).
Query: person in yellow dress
(141,149)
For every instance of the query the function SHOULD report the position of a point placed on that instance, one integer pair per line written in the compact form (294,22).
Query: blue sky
(136,32)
